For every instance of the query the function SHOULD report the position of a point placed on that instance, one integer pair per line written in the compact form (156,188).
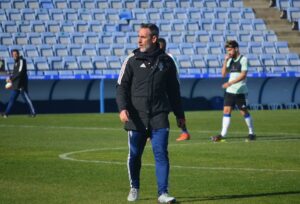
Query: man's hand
(226,85)
(180,122)
(124,116)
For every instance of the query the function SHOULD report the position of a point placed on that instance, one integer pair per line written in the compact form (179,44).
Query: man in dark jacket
(147,90)
(19,80)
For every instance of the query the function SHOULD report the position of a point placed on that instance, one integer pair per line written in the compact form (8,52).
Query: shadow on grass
(228,197)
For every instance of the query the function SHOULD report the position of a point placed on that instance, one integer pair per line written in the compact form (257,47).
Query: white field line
(120,129)
(67,156)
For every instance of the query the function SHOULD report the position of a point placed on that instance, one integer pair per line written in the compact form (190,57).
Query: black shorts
(235,99)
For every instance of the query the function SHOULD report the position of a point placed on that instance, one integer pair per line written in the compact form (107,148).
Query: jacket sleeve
(21,70)
(124,86)
(173,91)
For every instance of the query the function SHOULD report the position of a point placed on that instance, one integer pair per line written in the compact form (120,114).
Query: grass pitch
(81,158)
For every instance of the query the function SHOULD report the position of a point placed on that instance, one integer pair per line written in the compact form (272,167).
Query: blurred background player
(19,80)
(235,89)
(184,135)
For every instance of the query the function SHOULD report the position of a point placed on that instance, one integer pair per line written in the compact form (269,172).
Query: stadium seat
(9,64)
(60,4)
(70,15)
(167,14)
(248,13)
(267,62)
(237,3)
(116,4)
(208,13)
(129,48)
(215,48)
(132,37)
(102,4)
(254,62)
(187,48)
(9,27)
(95,26)
(170,3)
(89,50)
(56,63)
(113,62)
(244,36)
(224,3)
(88,4)
(180,25)
(112,14)
(129,4)
(281,60)
(60,50)
(293,14)
(28,14)
(198,61)
(110,27)
(38,26)
(184,61)
(70,62)
(49,38)
(212,61)
(234,13)
(52,26)
(92,38)
(206,24)
(56,14)
(233,25)
(4,53)
(99,62)
(33,4)
(85,62)
(5,4)
(194,13)
(63,38)
(104,49)
(34,38)
(255,48)
(257,36)
(125,14)
(42,15)
(20,38)
(246,25)
(216,36)
(139,14)
(77,38)
(200,48)
(45,50)
(221,13)
(41,63)
(188,37)
(191,25)
(153,14)
(75,50)
(67,26)
(196,3)
(179,13)
(119,37)
(81,26)
(174,49)
(282,47)
(24,26)
(183,4)
(164,25)
(30,51)
(211,3)
(269,47)
(14,14)
(74,4)
(117,49)
(259,24)
(293,59)
(230,35)
(30,65)
(46,4)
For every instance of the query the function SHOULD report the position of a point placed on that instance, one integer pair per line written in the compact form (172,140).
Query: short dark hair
(15,50)
(162,42)
(231,44)
(152,27)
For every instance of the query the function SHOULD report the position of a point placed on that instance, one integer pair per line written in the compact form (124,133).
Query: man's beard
(145,49)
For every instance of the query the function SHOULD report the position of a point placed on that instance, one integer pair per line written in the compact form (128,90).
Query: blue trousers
(136,142)
(13,97)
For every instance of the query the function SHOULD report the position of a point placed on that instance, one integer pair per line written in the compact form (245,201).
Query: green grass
(265,171)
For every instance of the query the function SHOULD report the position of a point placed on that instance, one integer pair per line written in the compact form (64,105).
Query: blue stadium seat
(153,14)
(45,50)
(187,48)
(5,4)
(33,4)
(67,26)
(30,65)
(188,37)
(49,38)
(41,63)
(230,35)
(244,36)
(237,3)
(116,4)
(196,3)
(281,60)
(132,37)
(99,62)
(113,62)
(208,13)
(85,62)
(110,27)
(215,48)
(20,38)
(2,16)
(167,14)
(233,25)
(130,4)
(89,50)
(77,38)
(200,48)
(61,4)
(106,38)
(248,13)
(164,25)
(60,50)
(246,24)
(139,14)
(183,3)
(210,3)
(293,59)
(212,61)
(243,48)
(267,62)
(56,63)
(46,4)
(194,13)
(95,26)
(63,38)
(56,14)
(75,50)
(255,48)
(206,24)
(70,62)
(157,4)
(88,4)
(282,47)
(184,61)
(28,14)
(104,49)
(52,26)
(254,63)
(224,3)
(30,51)
(259,24)
(9,64)
(221,13)
(129,48)
(74,4)
(38,26)
(81,26)
(198,61)
(216,36)
(112,14)
(70,15)
(179,13)
(102,4)
(120,37)
(295,3)
(13,14)
(269,48)
(174,49)
(66,72)
(4,53)
(34,38)
(42,15)
(9,26)
(257,36)
(234,13)
(191,25)
(92,38)
(170,3)
(180,25)
(24,26)
(125,14)
(293,14)
(117,49)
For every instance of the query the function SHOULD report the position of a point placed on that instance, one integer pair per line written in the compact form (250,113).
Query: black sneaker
(217,138)
(252,137)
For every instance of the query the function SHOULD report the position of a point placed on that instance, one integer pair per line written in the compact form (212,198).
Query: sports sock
(249,123)
(225,124)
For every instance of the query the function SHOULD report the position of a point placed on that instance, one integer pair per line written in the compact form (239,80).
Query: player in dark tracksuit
(19,81)
(147,90)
